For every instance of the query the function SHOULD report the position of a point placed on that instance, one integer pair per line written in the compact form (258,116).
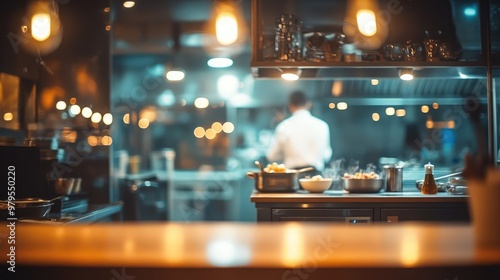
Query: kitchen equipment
(67,186)
(26,207)
(316,185)
(362,185)
(277,181)
(393,178)
(441,186)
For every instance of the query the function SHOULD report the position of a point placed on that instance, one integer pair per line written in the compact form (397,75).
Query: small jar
(429,186)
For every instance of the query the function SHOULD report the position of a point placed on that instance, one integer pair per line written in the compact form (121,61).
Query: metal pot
(362,185)
(26,208)
(277,181)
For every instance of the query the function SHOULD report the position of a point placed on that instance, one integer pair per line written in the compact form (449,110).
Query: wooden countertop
(341,196)
(248,244)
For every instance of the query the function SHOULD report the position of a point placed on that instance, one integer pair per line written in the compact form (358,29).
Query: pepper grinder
(429,186)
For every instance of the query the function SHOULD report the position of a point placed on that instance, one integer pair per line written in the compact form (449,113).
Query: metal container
(26,208)
(393,178)
(277,181)
(362,185)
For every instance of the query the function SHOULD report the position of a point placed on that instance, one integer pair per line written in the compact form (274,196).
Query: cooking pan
(362,185)
(277,181)
(26,208)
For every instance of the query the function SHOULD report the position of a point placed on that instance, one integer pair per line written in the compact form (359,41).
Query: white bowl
(316,185)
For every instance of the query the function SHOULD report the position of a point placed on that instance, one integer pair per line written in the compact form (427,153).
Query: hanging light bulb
(367,23)
(43,30)
(40,26)
(226,24)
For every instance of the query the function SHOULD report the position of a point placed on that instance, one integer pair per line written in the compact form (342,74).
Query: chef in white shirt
(301,140)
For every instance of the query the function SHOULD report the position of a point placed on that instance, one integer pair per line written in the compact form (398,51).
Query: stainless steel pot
(277,181)
(362,185)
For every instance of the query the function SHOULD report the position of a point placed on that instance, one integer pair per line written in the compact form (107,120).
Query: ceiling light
(175,75)
(128,4)
(219,62)
(405,74)
(290,74)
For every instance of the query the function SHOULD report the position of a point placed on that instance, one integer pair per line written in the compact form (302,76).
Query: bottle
(429,186)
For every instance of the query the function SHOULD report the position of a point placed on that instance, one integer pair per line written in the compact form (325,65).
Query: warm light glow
(86,112)
(424,109)
(72,101)
(201,103)
(342,106)
(143,123)
(199,132)
(451,124)
(435,105)
(375,117)
(175,75)
(96,117)
(367,23)
(374,82)
(390,111)
(400,112)
(107,140)
(74,110)
(293,245)
(228,127)
(128,4)
(126,118)
(107,119)
(429,124)
(8,117)
(336,88)
(226,26)
(40,26)
(410,245)
(92,140)
(60,105)
(331,105)
(210,134)
(289,76)
(148,113)
(217,127)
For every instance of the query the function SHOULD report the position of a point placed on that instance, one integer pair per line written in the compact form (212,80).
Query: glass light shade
(40,26)
(367,23)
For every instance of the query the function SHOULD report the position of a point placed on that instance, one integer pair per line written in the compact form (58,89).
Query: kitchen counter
(248,251)
(341,206)
(342,196)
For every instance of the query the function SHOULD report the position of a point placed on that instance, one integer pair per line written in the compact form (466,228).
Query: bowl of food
(316,184)
(362,182)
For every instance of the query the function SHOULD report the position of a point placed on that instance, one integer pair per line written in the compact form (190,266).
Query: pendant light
(226,29)
(363,24)
(44,32)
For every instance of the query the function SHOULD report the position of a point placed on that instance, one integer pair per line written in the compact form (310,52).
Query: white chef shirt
(301,140)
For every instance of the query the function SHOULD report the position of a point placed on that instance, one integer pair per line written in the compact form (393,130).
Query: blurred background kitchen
(178,147)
